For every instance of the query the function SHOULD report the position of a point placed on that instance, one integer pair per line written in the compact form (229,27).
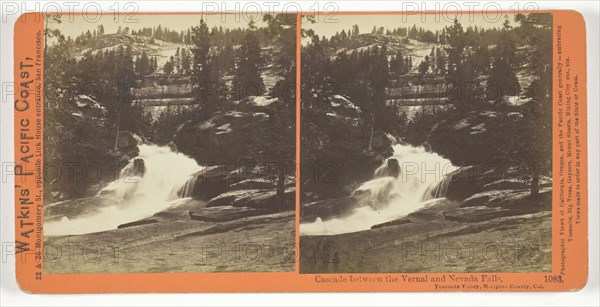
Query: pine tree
(169,66)
(456,40)
(177,61)
(424,66)
(142,64)
(413,33)
(502,81)
(185,61)
(440,61)
(201,82)
(461,69)
(248,81)
(503,78)
(432,60)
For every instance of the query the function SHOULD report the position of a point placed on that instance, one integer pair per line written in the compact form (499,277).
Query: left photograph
(169,143)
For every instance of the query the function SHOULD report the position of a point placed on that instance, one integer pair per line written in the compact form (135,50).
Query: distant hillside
(156,91)
(153,47)
(417,50)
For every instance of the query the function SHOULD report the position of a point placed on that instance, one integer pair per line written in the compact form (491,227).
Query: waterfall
(404,183)
(185,189)
(437,190)
(157,179)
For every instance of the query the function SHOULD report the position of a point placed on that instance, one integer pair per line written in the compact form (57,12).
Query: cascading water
(166,181)
(404,183)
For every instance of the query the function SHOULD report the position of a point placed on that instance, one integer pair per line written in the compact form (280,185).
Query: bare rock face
(259,199)
(225,137)
(214,180)
(474,137)
(468,180)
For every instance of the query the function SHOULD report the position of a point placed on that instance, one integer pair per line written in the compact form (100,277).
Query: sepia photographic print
(169,144)
(426,144)
(313,151)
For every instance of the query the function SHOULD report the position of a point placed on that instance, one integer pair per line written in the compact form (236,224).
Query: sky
(75,25)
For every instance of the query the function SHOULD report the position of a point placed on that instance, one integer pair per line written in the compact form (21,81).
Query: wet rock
(392,169)
(210,182)
(172,146)
(127,140)
(217,179)
(135,169)
(382,140)
(466,181)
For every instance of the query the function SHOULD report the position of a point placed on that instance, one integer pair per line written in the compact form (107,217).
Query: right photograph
(426,143)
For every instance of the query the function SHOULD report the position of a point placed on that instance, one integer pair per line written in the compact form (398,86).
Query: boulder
(127,140)
(466,181)
(340,105)
(210,182)
(135,169)
(225,137)
(473,138)
(217,179)
(391,169)
(382,140)
(470,180)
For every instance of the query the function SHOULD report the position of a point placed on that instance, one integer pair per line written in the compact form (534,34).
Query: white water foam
(388,198)
(165,183)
